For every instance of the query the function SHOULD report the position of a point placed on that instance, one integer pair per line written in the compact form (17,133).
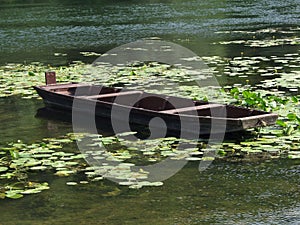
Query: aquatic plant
(19,161)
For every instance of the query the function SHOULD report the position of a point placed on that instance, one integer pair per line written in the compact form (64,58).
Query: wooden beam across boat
(192,108)
(122,93)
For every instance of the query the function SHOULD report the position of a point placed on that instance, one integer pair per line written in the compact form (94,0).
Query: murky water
(265,192)
(225,193)
(35,30)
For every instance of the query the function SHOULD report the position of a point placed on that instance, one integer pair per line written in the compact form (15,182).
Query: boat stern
(259,120)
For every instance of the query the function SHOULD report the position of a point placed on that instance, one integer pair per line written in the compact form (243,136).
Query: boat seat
(112,94)
(191,108)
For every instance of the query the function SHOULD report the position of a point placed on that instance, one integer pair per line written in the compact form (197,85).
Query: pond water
(56,32)
(35,30)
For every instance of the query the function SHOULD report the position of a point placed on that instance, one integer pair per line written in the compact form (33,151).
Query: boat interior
(149,101)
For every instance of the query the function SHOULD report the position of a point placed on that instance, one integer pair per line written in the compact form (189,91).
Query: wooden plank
(50,77)
(64,86)
(198,107)
(112,94)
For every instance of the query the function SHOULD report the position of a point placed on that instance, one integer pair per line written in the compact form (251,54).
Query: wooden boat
(180,115)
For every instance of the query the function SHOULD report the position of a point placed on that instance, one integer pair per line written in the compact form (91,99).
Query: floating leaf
(64,173)
(31,191)
(14,194)
(38,167)
(3,168)
(71,183)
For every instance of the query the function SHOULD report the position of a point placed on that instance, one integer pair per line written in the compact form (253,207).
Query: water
(225,193)
(19,122)
(35,30)
(264,192)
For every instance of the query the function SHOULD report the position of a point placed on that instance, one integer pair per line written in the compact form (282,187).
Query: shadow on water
(17,121)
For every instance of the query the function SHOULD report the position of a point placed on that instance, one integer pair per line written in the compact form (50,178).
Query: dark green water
(225,193)
(35,30)
(265,192)
(257,193)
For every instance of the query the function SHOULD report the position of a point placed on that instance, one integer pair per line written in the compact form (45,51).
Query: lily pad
(64,173)
(3,168)
(14,194)
(31,191)
(38,168)
(71,183)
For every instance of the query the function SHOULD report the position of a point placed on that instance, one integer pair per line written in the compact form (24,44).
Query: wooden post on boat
(50,77)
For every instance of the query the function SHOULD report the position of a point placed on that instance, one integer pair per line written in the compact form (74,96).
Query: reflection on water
(18,122)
